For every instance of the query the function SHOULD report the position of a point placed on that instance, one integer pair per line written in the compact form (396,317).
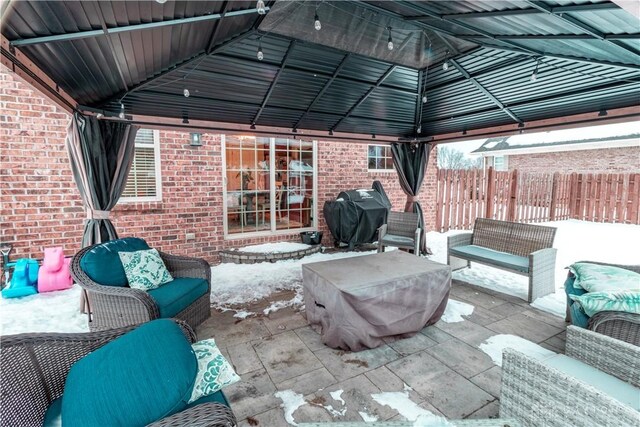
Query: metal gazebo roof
(94,56)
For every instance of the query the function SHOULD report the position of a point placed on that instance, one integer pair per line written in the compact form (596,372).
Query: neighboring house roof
(607,136)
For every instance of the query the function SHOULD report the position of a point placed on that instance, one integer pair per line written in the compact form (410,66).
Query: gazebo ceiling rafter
(484,91)
(590,7)
(596,34)
(127,28)
(364,97)
(274,82)
(564,37)
(325,87)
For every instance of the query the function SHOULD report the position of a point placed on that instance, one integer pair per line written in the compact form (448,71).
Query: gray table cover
(355,302)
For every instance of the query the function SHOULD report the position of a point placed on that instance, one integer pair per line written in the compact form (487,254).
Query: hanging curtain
(101,153)
(410,161)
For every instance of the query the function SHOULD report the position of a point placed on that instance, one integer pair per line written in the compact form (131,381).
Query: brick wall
(608,160)
(41,207)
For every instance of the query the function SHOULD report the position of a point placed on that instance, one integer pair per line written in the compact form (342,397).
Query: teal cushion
(102,263)
(595,302)
(216,397)
(138,378)
(53,416)
(602,278)
(394,239)
(501,259)
(608,384)
(178,294)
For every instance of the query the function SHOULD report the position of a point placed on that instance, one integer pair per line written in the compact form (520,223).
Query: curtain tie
(412,199)
(91,214)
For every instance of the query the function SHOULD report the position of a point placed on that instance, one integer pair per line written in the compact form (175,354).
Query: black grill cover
(355,216)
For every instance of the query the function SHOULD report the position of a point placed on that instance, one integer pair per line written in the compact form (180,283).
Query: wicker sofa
(619,325)
(524,249)
(113,304)
(35,367)
(597,383)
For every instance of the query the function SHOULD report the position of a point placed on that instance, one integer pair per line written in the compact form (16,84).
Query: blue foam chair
(24,279)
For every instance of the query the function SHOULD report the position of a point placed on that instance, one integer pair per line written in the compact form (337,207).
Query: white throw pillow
(145,270)
(214,372)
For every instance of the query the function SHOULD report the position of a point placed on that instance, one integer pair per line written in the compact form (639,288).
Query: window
(379,158)
(500,163)
(269,185)
(144,183)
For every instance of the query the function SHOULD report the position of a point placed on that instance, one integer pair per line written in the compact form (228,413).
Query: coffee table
(356,302)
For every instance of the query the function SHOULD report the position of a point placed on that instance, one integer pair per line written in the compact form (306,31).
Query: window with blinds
(143,182)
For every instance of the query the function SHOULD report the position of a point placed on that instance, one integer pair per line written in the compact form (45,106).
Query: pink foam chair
(54,275)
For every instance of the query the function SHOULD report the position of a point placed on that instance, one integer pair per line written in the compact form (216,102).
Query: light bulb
(419,129)
(445,66)
(121,115)
(260,54)
(534,76)
(317,25)
(161,1)
(261,8)
(424,99)
(99,116)
(186,93)
(390,45)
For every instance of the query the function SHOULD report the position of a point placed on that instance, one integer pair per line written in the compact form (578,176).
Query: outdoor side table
(356,302)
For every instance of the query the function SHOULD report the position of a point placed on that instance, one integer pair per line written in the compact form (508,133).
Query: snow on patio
(234,286)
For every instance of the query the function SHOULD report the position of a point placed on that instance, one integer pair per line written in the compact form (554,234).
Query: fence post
(490,193)
(573,196)
(513,193)
(554,196)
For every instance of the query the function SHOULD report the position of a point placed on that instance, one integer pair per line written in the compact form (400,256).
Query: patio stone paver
(449,392)
(406,346)
(526,327)
(345,364)
(461,357)
(244,358)
(489,380)
(308,383)
(446,372)
(285,356)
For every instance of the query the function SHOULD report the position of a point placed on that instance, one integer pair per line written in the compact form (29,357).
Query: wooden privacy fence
(464,195)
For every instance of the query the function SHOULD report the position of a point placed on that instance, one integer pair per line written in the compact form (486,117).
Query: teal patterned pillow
(601,278)
(145,270)
(214,372)
(595,302)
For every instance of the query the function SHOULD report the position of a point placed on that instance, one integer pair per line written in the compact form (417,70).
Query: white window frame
(505,163)
(379,170)
(272,177)
(158,176)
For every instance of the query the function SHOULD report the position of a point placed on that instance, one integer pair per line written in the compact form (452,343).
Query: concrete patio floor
(447,373)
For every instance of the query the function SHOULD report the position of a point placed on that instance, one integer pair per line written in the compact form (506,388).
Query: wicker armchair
(539,395)
(402,230)
(619,325)
(35,367)
(115,306)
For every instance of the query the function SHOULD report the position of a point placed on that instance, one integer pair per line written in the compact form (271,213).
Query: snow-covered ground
(235,286)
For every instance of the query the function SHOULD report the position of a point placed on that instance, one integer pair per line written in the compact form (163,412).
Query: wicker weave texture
(37,365)
(115,307)
(538,395)
(622,326)
(512,237)
(405,224)
(203,415)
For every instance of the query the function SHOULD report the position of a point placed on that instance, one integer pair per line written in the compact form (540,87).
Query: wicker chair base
(197,312)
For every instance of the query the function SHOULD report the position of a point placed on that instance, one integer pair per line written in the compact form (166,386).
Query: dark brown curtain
(411,161)
(101,153)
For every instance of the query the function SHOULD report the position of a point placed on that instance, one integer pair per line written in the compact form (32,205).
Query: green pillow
(141,377)
(145,270)
(600,278)
(214,372)
(595,302)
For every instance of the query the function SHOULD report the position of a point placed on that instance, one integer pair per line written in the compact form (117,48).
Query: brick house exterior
(41,206)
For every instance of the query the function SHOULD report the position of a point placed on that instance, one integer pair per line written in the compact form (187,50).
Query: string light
(424,98)
(99,116)
(161,1)
(186,93)
(419,129)
(390,41)
(261,7)
(317,25)
(445,64)
(260,55)
(534,75)
(121,115)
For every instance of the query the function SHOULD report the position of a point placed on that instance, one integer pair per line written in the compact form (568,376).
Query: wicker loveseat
(524,249)
(113,304)
(619,325)
(596,383)
(35,368)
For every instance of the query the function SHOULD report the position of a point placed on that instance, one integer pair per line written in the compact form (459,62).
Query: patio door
(269,185)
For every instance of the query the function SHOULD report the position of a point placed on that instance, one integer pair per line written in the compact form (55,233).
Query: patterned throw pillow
(214,372)
(602,278)
(145,270)
(595,302)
